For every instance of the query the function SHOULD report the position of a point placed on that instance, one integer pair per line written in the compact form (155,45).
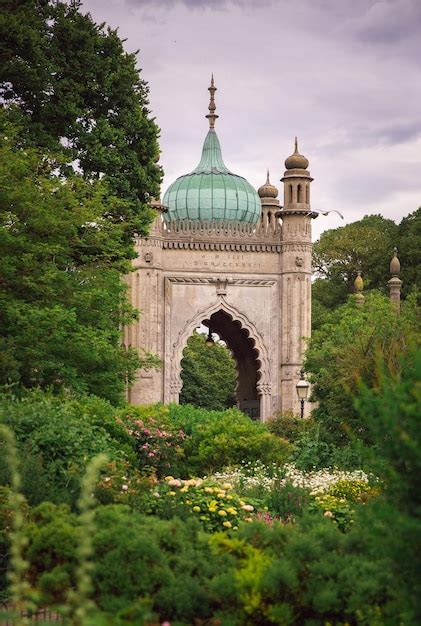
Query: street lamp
(209,339)
(302,388)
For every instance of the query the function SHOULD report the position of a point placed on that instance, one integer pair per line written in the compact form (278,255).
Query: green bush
(218,439)
(57,436)
(142,564)
(307,574)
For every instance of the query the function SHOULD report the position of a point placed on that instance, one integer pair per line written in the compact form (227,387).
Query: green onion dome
(211,191)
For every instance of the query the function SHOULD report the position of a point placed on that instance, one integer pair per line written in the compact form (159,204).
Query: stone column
(295,277)
(395,282)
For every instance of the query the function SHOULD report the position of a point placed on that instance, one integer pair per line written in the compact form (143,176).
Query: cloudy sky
(345,76)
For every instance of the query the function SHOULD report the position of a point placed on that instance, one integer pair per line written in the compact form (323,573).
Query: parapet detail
(218,235)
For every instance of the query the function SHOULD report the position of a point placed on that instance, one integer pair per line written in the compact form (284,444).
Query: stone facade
(251,283)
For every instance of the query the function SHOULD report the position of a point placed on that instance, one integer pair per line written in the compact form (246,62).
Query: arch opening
(246,356)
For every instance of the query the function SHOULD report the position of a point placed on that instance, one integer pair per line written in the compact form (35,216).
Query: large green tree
(70,87)
(209,374)
(344,353)
(366,245)
(62,300)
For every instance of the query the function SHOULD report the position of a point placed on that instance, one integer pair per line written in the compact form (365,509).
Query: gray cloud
(343,76)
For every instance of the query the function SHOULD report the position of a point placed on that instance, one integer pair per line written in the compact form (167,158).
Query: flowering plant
(119,484)
(158,444)
(217,507)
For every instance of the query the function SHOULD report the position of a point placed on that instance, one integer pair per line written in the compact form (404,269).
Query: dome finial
(296,160)
(212,116)
(268,190)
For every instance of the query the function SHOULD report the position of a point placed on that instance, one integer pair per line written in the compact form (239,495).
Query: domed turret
(296,161)
(211,191)
(268,190)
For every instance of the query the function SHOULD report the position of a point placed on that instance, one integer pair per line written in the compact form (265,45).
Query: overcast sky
(345,76)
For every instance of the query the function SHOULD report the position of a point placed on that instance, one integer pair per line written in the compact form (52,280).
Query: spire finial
(395,266)
(359,286)
(212,116)
(296,146)
(267,178)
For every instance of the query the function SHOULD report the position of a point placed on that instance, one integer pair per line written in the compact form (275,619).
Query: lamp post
(302,388)
(209,339)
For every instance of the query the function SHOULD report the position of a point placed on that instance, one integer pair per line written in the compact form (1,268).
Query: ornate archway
(249,350)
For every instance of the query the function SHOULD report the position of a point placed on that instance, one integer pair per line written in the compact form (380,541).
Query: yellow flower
(184,489)
(196,509)
(232,511)
(188,501)
(222,513)
(221,494)
(227,524)
(171,493)
(229,497)
(209,489)
(226,486)
(169,477)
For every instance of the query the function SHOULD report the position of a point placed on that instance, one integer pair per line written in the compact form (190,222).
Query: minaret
(295,275)
(358,287)
(270,204)
(395,282)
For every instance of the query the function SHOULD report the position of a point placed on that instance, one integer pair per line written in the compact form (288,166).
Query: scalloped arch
(235,315)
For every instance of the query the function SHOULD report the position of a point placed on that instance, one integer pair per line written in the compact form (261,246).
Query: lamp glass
(302,388)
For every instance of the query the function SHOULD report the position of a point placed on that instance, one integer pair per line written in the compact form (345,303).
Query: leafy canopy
(209,374)
(70,87)
(343,353)
(62,300)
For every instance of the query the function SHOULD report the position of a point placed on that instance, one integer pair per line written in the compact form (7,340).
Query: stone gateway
(222,255)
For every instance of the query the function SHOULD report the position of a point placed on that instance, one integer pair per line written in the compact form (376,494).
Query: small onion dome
(267,190)
(296,160)
(395,266)
(358,283)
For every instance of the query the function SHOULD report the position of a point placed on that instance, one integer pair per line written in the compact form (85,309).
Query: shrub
(215,440)
(309,573)
(289,426)
(57,436)
(157,441)
(217,507)
(143,565)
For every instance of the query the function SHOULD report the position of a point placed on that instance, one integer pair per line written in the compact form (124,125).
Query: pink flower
(151,454)
(145,446)
(166,624)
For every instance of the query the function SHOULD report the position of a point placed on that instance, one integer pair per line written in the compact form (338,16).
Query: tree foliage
(70,87)
(366,245)
(343,353)
(209,375)
(62,301)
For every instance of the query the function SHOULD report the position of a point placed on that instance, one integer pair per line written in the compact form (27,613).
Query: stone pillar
(147,296)
(395,282)
(295,281)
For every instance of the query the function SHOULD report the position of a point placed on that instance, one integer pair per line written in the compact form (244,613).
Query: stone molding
(197,280)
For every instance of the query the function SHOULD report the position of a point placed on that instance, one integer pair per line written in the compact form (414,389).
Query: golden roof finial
(212,116)
(296,146)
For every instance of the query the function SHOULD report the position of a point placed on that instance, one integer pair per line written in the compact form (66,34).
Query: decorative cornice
(197,280)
